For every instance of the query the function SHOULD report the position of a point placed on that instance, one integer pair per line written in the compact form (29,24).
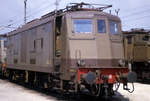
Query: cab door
(116,40)
(57,43)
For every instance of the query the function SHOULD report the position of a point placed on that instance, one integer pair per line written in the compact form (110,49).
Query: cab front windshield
(83,26)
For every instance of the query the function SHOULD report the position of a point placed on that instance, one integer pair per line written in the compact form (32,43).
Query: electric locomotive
(137,51)
(77,49)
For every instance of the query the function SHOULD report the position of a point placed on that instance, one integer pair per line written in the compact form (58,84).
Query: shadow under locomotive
(69,97)
(59,96)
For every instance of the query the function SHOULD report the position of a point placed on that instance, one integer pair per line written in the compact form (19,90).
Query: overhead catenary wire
(42,8)
(31,15)
(19,21)
(39,6)
(6,22)
(136,13)
(37,11)
(143,7)
(136,18)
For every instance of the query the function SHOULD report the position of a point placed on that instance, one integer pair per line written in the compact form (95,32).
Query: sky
(133,13)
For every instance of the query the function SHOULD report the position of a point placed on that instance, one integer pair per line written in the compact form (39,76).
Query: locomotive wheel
(94,89)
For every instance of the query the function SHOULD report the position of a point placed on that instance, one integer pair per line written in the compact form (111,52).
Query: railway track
(63,96)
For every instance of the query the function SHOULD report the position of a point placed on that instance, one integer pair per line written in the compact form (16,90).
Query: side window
(41,42)
(5,43)
(32,36)
(38,43)
(0,43)
(47,27)
(16,44)
(34,44)
(101,25)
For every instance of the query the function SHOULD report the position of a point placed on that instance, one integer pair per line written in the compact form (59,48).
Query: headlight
(110,76)
(80,62)
(121,62)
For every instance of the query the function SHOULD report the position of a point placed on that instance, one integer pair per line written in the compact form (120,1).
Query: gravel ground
(13,92)
(141,93)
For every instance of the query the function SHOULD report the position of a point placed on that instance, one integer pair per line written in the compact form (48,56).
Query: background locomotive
(3,49)
(137,51)
(75,49)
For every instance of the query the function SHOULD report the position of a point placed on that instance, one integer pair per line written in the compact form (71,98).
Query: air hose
(117,85)
(99,89)
(131,91)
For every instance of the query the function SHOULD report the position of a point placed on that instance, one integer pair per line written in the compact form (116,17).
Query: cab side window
(114,27)
(101,26)
(146,38)
(129,40)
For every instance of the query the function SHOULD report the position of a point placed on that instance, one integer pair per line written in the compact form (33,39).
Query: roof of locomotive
(71,12)
(29,25)
(90,14)
(135,32)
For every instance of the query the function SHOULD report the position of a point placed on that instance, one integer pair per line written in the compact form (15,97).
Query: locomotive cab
(95,38)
